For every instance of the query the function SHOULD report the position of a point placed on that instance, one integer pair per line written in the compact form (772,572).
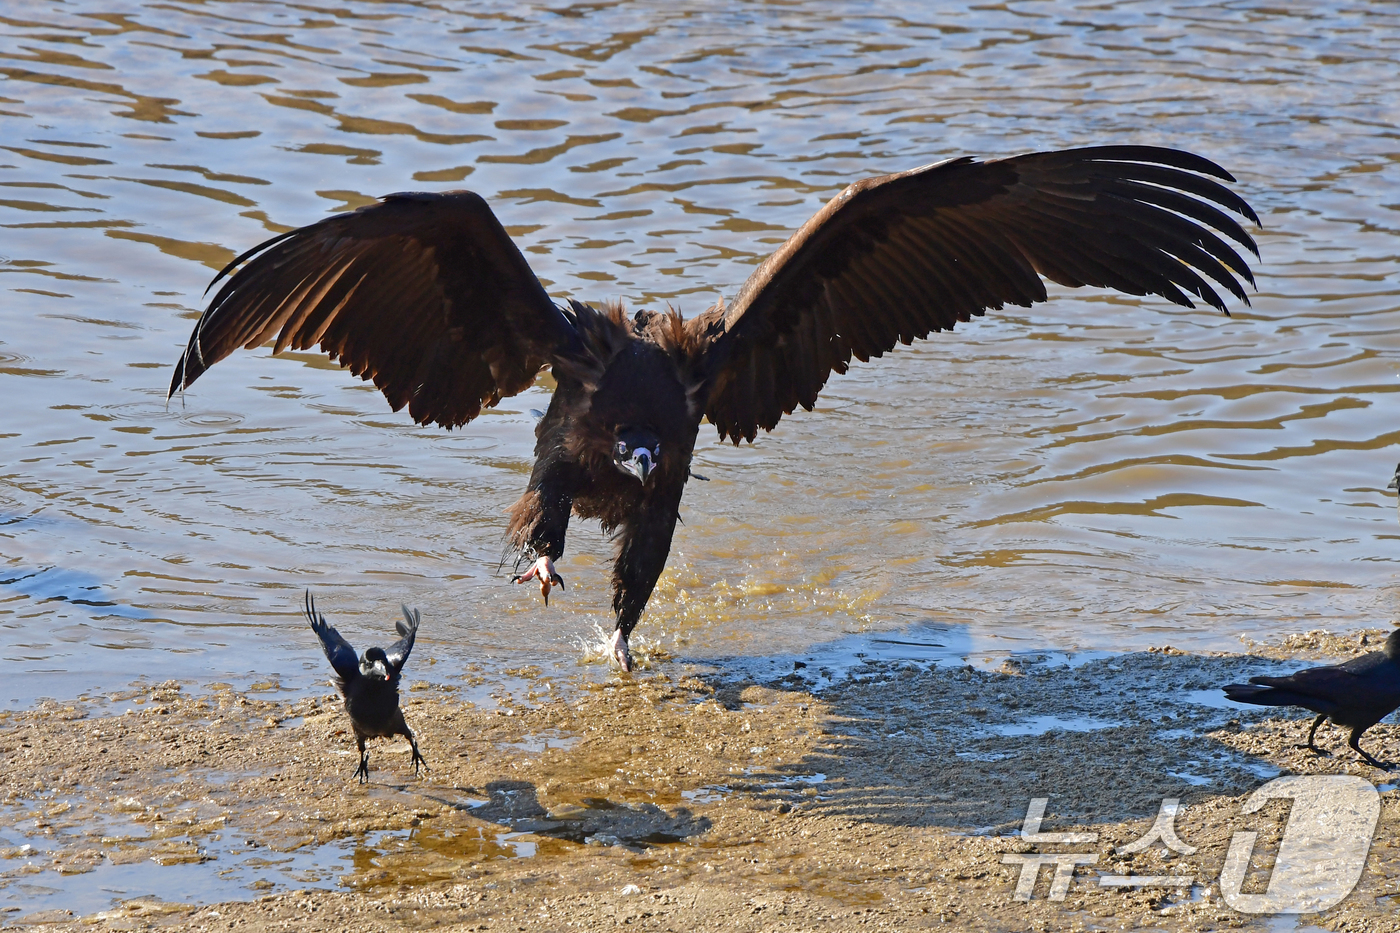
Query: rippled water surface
(1097,472)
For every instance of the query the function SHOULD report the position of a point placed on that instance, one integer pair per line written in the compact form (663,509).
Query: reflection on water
(1099,471)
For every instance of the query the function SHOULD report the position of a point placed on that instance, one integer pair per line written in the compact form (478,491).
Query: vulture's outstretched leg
(539,521)
(646,542)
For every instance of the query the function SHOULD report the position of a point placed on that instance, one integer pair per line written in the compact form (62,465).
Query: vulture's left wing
(423,293)
(896,257)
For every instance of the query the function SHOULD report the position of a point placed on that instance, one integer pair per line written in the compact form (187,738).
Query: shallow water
(1098,472)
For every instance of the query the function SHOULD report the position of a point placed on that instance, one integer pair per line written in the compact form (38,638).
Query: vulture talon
(620,653)
(543,571)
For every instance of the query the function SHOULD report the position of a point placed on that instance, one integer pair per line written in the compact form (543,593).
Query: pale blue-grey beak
(640,464)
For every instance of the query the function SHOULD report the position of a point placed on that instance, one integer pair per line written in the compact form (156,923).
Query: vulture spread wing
(423,293)
(896,257)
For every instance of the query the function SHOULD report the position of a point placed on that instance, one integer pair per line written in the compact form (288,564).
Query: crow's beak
(640,465)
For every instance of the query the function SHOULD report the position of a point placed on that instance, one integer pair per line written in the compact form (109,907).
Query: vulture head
(636,451)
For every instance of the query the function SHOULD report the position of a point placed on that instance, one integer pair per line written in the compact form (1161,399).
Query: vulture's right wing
(424,293)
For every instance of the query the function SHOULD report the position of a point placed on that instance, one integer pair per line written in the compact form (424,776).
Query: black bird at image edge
(370,684)
(427,295)
(1356,694)
(1395,485)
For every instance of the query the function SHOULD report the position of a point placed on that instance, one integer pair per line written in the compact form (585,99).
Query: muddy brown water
(1096,473)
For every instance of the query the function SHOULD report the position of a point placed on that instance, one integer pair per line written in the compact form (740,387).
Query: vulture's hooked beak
(640,464)
(636,451)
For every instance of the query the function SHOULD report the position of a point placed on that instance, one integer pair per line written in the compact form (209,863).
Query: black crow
(370,684)
(1358,693)
(428,296)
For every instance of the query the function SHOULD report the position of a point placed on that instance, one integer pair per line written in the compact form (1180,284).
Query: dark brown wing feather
(897,257)
(423,293)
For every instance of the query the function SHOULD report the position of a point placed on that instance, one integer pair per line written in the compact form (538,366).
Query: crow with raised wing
(428,296)
(1357,694)
(370,684)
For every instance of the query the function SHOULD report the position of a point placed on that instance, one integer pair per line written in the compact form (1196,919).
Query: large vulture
(427,295)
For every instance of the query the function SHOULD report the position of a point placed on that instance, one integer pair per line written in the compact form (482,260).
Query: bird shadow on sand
(515,808)
(919,745)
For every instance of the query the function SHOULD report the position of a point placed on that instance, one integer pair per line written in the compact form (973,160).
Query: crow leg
(1312,732)
(1355,743)
(417,756)
(362,772)
(646,543)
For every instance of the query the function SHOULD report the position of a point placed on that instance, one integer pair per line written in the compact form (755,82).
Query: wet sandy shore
(680,799)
